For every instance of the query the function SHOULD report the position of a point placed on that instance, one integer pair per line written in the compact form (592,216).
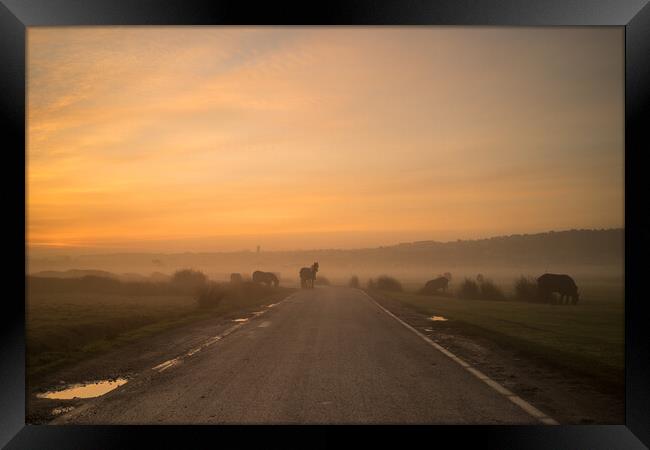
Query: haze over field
(212,139)
(583,253)
(214,211)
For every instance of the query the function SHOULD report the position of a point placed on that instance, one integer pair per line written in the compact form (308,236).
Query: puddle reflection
(84,390)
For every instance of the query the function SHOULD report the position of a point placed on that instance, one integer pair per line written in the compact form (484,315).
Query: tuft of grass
(483,289)
(210,295)
(190,281)
(387,283)
(468,290)
(526,290)
(490,291)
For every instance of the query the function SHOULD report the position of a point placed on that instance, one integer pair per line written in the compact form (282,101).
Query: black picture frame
(633,15)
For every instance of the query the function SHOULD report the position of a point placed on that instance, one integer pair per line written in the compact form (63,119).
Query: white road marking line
(211,341)
(523,404)
(264,324)
(176,361)
(167,364)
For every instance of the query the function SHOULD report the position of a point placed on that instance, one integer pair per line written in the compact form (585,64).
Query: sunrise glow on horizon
(222,138)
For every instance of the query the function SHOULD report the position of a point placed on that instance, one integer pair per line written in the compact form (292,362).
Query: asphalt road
(327,355)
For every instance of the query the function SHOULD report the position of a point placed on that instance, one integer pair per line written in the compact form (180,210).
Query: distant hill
(80,273)
(587,249)
(74,273)
(158,276)
(580,247)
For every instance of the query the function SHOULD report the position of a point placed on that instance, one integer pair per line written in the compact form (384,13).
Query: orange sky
(213,138)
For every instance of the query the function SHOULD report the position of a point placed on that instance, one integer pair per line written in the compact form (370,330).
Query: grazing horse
(267,278)
(308,275)
(562,284)
(436,284)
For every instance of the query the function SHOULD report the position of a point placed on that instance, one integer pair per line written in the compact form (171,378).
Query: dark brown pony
(436,285)
(267,278)
(560,283)
(308,276)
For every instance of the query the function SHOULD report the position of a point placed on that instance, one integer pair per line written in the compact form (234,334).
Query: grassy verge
(587,338)
(64,328)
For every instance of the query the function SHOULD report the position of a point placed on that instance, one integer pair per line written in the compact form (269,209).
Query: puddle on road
(240,320)
(88,390)
(438,319)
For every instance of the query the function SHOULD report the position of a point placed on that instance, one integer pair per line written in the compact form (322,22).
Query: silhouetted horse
(308,275)
(562,284)
(435,285)
(267,278)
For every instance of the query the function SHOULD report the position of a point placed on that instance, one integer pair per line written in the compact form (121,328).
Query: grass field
(588,337)
(66,327)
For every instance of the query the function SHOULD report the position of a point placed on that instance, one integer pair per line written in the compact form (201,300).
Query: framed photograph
(269,225)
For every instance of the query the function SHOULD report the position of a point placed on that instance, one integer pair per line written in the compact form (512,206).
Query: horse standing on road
(308,276)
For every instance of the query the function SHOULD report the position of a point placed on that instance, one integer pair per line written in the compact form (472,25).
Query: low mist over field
(230,222)
(586,253)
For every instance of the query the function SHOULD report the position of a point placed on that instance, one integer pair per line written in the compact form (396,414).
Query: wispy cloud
(139,133)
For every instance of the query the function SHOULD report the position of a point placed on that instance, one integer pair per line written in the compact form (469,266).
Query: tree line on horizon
(586,247)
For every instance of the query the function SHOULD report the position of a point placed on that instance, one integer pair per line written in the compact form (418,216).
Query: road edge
(62,419)
(514,398)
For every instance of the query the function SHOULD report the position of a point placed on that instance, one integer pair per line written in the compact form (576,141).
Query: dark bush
(468,290)
(490,291)
(210,295)
(236,278)
(526,290)
(387,283)
(189,280)
(354,281)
